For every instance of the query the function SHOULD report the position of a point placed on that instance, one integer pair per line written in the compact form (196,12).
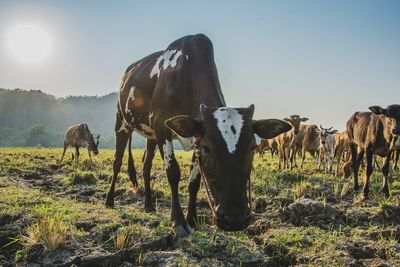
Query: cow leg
(165,146)
(121,141)
(303,156)
(280,157)
(65,149)
(77,153)
(147,164)
(292,156)
(369,170)
(194,185)
(131,166)
(355,165)
(385,172)
(396,159)
(338,155)
(90,155)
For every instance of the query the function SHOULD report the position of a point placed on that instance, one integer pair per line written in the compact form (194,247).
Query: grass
(49,232)
(58,218)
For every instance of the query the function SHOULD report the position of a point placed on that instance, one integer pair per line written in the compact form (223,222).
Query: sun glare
(29,43)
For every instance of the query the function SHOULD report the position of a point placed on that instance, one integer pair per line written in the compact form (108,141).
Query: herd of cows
(175,94)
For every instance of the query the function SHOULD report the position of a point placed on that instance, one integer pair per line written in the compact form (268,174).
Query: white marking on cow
(194,172)
(229,123)
(168,153)
(123,128)
(187,143)
(167,61)
(146,131)
(130,97)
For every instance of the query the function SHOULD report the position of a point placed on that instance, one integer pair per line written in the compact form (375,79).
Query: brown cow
(342,149)
(287,141)
(373,133)
(307,141)
(269,144)
(79,136)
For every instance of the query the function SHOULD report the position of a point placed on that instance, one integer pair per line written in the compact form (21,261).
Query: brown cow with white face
(175,93)
(79,136)
(373,133)
(287,142)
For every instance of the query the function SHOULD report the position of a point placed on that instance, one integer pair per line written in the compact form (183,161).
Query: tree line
(34,118)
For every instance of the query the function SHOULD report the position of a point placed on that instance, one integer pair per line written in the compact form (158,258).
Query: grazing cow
(287,142)
(373,133)
(165,96)
(342,150)
(79,136)
(265,144)
(326,150)
(308,141)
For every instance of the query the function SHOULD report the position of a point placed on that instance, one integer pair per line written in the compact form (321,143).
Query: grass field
(54,213)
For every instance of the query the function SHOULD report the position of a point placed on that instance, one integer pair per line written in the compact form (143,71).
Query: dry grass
(50,232)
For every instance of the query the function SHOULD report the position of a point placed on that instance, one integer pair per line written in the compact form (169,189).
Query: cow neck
(211,202)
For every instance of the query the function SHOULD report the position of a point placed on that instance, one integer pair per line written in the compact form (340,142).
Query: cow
(307,141)
(265,144)
(175,93)
(286,142)
(373,133)
(326,148)
(342,151)
(79,136)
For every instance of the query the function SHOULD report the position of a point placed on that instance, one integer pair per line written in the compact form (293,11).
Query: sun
(29,43)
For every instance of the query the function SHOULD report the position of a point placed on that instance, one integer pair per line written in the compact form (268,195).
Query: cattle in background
(165,96)
(79,136)
(267,144)
(342,151)
(287,142)
(326,149)
(373,133)
(307,141)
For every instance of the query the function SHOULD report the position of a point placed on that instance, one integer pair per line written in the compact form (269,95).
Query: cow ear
(333,132)
(267,129)
(304,119)
(184,126)
(377,110)
(286,119)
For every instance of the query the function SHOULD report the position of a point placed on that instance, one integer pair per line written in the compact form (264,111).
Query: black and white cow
(175,94)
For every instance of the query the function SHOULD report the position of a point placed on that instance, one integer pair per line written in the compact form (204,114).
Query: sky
(320,59)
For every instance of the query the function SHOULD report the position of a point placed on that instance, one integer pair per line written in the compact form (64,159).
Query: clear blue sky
(320,59)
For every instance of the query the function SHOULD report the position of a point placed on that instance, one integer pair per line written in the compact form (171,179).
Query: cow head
(295,120)
(227,149)
(392,117)
(324,133)
(94,143)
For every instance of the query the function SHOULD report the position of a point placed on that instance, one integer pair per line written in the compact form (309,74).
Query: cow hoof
(183,230)
(149,208)
(110,203)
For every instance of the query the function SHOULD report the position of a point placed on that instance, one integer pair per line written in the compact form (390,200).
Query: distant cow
(269,144)
(287,142)
(307,141)
(342,150)
(79,136)
(373,133)
(176,93)
(326,152)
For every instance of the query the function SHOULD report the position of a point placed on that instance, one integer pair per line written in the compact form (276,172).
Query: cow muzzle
(396,132)
(296,131)
(233,223)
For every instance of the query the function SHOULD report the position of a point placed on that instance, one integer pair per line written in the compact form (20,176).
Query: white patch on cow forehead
(167,61)
(130,97)
(168,153)
(229,123)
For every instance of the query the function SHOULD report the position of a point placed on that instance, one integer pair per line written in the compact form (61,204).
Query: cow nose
(233,222)
(296,131)
(395,131)
(323,142)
